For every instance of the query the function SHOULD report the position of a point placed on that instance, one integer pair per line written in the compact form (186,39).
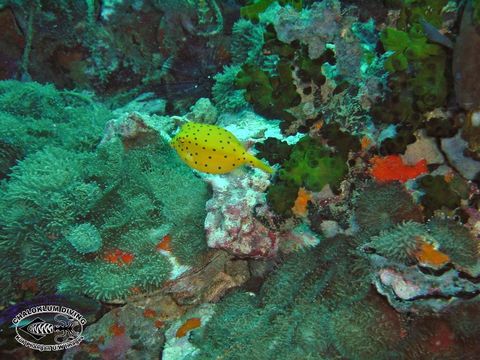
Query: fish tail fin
(261,165)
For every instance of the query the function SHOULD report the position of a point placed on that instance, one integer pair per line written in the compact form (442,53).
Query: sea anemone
(381,206)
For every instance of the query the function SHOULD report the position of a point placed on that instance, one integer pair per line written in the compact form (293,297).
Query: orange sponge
(392,168)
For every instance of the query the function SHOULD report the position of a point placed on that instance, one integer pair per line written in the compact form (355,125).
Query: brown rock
(465,62)
(209,283)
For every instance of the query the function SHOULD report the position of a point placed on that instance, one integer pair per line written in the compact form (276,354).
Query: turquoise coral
(85,238)
(80,215)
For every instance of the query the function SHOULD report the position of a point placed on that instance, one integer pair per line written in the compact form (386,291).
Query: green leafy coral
(88,222)
(413,11)
(269,95)
(424,61)
(311,165)
(418,78)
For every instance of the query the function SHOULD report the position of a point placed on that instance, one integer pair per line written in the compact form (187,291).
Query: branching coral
(226,95)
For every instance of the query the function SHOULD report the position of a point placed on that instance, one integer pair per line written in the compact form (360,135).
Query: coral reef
(420,267)
(81,215)
(361,242)
(35,115)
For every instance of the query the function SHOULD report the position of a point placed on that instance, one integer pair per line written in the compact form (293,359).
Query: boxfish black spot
(196,154)
(228,142)
(205,140)
(209,157)
(233,164)
(195,162)
(196,144)
(225,156)
(213,149)
(203,148)
(219,167)
(221,141)
(205,165)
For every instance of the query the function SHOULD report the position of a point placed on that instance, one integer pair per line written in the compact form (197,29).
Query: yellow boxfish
(212,149)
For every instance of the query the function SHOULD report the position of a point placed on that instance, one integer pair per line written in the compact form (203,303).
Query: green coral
(413,11)
(426,63)
(438,194)
(400,242)
(269,95)
(253,10)
(476,11)
(273,150)
(312,165)
(341,140)
(417,81)
(85,238)
(407,47)
(281,198)
(88,222)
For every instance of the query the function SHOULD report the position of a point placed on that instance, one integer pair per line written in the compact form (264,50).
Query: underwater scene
(240,179)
